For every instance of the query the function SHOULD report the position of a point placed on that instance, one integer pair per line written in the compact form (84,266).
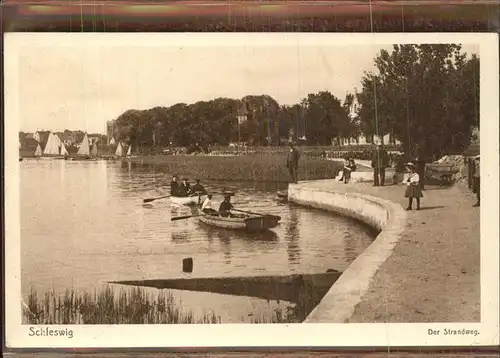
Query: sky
(81,85)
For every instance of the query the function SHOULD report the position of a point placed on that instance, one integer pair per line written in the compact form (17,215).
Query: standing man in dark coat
(380,161)
(292,163)
(477,180)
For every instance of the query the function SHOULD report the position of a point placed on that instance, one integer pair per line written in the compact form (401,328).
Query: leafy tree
(325,118)
(427,96)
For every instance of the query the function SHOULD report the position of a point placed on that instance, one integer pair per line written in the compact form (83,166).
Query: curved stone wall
(338,305)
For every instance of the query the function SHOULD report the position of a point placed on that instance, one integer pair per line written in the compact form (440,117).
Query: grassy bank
(256,168)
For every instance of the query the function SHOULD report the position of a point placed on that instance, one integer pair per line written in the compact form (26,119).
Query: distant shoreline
(255,168)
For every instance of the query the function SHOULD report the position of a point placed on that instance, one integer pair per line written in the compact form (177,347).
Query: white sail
(64,151)
(52,146)
(112,141)
(85,146)
(93,151)
(58,140)
(119,150)
(129,151)
(38,151)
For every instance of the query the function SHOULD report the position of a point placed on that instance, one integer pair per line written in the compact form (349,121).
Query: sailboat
(119,150)
(84,150)
(64,151)
(129,151)
(51,150)
(93,151)
(38,151)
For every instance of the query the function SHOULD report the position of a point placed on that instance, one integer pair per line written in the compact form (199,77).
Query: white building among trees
(361,138)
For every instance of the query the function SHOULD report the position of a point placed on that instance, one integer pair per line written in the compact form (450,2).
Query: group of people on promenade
(415,181)
(379,163)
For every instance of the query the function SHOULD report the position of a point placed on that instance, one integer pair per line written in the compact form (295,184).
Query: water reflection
(180,237)
(350,246)
(226,234)
(292,236)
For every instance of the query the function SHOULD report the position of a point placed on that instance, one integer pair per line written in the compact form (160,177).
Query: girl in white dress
(413,189)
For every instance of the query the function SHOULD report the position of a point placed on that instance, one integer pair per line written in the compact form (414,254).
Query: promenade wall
(389,218)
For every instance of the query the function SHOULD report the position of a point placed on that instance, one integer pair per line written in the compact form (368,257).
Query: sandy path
(433,273)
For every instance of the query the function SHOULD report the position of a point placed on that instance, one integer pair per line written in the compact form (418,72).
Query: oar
(184,217)
(153,199)
(250,212)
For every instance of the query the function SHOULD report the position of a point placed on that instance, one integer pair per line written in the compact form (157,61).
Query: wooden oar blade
(153,199)
(182,217)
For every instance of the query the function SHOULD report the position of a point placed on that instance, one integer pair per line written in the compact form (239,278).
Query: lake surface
(84,223)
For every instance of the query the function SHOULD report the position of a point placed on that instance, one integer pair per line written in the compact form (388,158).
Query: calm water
(84,223)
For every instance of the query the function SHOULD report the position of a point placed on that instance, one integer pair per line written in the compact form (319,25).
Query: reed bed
(105,306)
(254,168)
(138,306)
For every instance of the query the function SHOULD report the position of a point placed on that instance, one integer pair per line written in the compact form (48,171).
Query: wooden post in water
(187,264)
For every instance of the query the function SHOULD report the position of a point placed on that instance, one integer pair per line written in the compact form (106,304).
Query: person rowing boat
(226,206)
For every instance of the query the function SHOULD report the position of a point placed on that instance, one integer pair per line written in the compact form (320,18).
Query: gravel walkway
(433,273)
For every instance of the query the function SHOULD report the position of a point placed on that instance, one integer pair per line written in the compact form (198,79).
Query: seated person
(226,206)
(349,166)
(353,165)
(184,188)
(198,188)
(174,186)
(206,207)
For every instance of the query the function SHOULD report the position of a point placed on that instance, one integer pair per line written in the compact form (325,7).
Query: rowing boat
(248,222)
(187,200)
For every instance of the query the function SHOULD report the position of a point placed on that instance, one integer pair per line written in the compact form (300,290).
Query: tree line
(318,118)
(426,96)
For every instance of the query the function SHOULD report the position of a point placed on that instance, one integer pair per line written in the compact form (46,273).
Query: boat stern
(263,222)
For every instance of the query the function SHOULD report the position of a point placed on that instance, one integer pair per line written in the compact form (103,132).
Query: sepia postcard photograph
(280,189)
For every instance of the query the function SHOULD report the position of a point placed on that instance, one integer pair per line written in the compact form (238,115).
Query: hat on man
(410,165)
